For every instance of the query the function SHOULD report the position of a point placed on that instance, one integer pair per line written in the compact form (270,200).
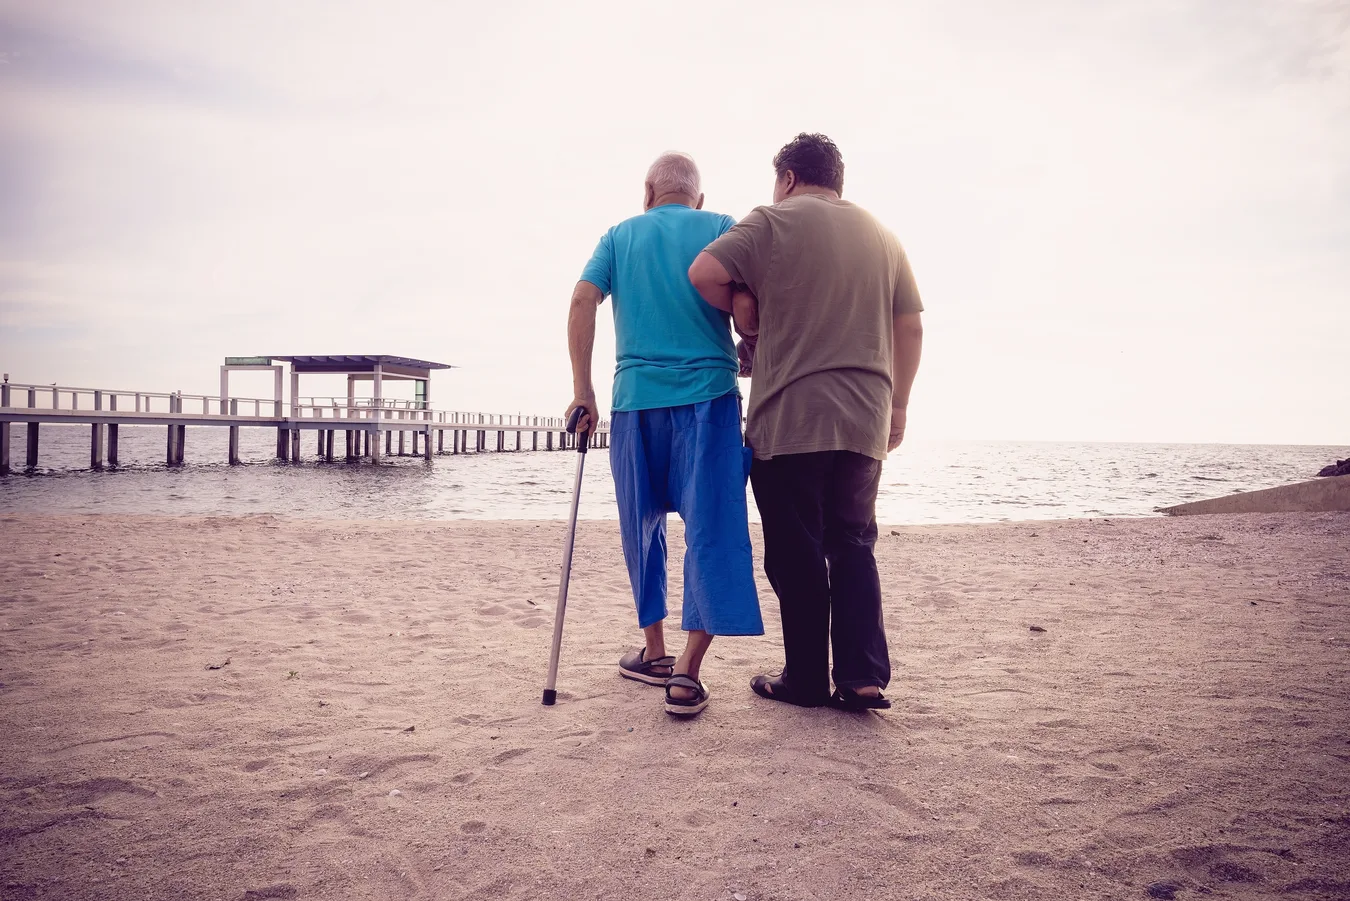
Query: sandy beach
(250,708)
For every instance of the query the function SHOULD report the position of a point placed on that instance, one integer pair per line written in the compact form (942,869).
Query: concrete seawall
(1317,496)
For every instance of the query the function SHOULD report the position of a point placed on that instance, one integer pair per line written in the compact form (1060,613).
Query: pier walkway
(371,427)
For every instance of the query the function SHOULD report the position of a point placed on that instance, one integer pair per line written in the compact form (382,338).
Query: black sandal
(637,667)
(775,689)
(686,706)
(850,700)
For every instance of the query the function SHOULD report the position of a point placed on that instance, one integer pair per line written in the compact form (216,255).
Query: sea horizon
(927,481)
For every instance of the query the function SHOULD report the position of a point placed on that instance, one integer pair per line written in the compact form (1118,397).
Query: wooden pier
(367,426)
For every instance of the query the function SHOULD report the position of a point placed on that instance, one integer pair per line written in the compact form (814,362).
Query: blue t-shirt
(673,348)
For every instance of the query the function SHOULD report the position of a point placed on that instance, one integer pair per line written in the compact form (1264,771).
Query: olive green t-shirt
(830,281)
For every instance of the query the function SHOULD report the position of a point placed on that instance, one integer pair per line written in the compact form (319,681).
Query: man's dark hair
(815,159)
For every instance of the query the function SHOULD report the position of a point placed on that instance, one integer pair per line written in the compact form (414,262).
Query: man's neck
(814,189)
(675,198)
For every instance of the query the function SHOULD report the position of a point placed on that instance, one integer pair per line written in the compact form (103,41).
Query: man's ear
(648,195)
(789,182)
(699,205)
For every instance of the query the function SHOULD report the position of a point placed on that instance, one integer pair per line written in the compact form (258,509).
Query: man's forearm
(709,277)
(908,350)
(581,337)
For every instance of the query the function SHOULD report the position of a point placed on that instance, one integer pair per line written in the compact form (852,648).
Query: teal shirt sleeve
(600,270)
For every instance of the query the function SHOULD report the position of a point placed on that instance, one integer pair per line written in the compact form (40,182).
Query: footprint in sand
(1216,864)
(511,754)
(1120,759)
(138,741)
(894,797)
(464,778)
(473,827)
(583,733)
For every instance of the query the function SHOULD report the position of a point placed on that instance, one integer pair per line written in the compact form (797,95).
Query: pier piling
(171,452)
(96,446)
(234,434)
(96,436)
(4,432)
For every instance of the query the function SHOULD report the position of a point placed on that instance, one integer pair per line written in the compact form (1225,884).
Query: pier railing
(412,411)
(66,398)
(57,398)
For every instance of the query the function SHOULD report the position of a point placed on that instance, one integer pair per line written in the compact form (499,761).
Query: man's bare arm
(711,279)
(908,350)
(745,313)
(586,299)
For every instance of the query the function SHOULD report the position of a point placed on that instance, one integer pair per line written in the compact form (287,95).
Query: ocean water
(926,482)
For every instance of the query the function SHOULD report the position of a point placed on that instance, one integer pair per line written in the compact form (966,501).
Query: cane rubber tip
(550,697)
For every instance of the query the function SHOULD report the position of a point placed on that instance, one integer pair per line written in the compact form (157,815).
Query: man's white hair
(674,173)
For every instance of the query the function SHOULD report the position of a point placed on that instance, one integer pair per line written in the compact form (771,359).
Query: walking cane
(583,443)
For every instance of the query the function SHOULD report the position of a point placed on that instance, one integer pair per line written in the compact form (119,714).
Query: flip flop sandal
(637,667)
(848,699)
(775,689)
(686,706)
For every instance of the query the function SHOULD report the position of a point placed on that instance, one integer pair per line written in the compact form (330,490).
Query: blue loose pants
(688,460)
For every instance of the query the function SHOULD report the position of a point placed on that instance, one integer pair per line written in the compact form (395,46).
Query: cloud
(1130,201)
(41,57)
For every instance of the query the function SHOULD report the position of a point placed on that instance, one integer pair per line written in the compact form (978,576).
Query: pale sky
(1128,220)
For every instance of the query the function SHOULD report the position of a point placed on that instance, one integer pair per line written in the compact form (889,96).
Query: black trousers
(820,529)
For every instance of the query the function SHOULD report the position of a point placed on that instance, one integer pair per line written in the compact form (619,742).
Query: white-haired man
(676,442)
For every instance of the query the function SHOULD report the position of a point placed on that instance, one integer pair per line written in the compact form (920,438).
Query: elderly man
(676,441)
(839,337)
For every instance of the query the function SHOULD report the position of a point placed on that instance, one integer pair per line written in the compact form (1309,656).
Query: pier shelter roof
(351,364)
